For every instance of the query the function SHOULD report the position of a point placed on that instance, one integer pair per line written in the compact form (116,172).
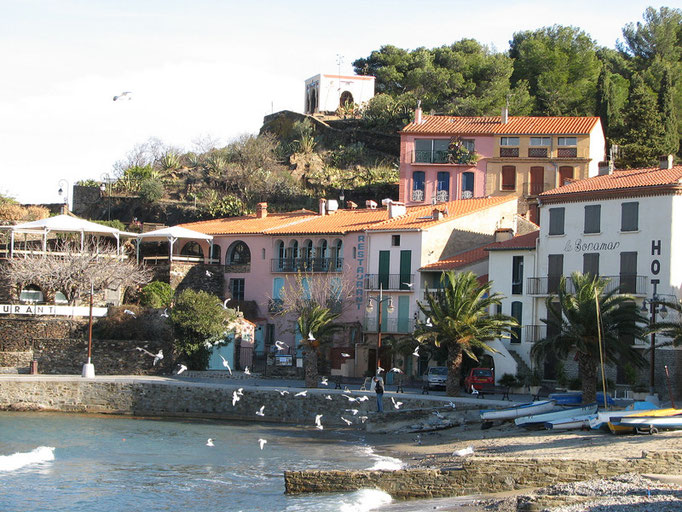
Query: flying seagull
(318,423)
(363,418)
(157,357)
(302,393)
(165,313)
(363,398)
(343,354)
(281,345)
(354,411)
(125,95)
(324,381)
(348,422)
(310,336)
(396,404)
(181,369)
(240,391)
(226,364)
(429,323)
(235,398)
(350,398)
(416,352)
(409,285)
(262,442)
(209,274)
(346,390)
(260,411)
(285,392)
(328,397)
(396,370)
(379,370)
(209,442)
(128,312)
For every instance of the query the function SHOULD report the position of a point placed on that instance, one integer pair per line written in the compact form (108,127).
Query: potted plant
(508,380)
(534,383)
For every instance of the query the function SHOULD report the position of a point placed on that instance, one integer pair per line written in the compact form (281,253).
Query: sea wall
(479,475)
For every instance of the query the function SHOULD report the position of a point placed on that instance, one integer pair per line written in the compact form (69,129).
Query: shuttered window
(556,221)
(629,216)
(554,272)
(593,218)
(591,263)
(628,272)
(508,177)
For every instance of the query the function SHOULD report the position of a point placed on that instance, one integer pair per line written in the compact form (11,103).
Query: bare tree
(72,271)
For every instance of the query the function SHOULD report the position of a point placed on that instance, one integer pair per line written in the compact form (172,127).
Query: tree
(156,294)
(572,328)
(666,105)
(671,329)
(659,36)
(72,271)
(458,317)
(317,301)
(198,318)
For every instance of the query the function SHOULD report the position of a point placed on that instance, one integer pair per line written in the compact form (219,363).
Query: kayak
(538,420)
(602,419)
(509,413)
(574,423)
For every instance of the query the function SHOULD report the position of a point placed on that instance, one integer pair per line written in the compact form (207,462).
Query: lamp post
(652,306)
(106,187)
(89,368)
(389,308)
(64,191)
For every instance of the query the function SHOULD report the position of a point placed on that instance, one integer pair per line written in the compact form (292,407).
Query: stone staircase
(522,367)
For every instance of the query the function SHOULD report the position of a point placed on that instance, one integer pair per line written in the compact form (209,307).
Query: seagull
(310,336)
(157,357)
(438,415)
(318,423)
(474,391)
(302,393)
(246,371)
(363,418)
(343,354)
(240,391)
(285,392)
(126,95)
(452,404)
(379,370)
(235,398)
(363,398)
(165,313)
(348,422)
(350,398)
(226,364)
(209,442)
(409,285)
(324,381)
(328,397)
(207,344)
(346,390)
(354,411)
(428,322)
(209,274)
(181,369)
(225,303)
(260,411)
(416,352)
(396,370)
(128,312)
(262,442)
(469,450)
(281,345)
(396,404)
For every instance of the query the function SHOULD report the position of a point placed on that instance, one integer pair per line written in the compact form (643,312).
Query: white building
(326,93)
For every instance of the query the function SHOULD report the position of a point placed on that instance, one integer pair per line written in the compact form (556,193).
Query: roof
(526,241)
(460,260)
(304,222)
(66,224)
(646,181)
(492,125)
(173,232)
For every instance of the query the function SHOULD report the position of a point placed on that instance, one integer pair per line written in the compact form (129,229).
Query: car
(435,377)
(479,377)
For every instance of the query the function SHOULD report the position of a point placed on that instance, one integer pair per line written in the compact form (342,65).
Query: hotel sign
(49,310)
(581,246)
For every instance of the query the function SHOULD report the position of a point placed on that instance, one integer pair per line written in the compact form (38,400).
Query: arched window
(31,294)
(307,250)
(293,249)
(193,250)
(279,249)
(322,249)
(238,257)
(60,298)
(346,97)
(338,254)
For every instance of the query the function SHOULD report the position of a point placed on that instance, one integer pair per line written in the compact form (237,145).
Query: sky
(209,68)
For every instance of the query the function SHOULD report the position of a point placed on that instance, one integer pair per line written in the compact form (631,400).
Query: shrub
(156,294)
(508,380)
(151,190)
(146,325)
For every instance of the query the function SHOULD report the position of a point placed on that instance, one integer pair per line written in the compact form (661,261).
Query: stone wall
(194,276)
(478,475)
(19,334)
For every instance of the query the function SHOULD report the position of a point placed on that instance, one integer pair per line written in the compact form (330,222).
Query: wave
(19,460)
(364,500)
(382,462)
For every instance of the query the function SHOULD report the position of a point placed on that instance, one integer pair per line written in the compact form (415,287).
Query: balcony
(430,157)
(533,189)
(537,152)
(389,282)
(630,284)
(534,333)
(509,152)
(390,325)
(567,152)
(307,265)
(442,196)
(418,195)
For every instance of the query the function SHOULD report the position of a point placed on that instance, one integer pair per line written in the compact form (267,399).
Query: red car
(479,377)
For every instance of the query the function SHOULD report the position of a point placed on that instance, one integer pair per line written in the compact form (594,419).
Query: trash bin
(34,367)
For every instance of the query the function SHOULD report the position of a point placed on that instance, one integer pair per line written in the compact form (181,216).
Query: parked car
(479,377)
(435,377)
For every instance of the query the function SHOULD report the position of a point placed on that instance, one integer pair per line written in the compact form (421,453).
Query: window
(591,263)
(355,252)
(540,141)
(567,141)
(509,141)
(215,253)
(431,151)
(262,253)
(498,309)
(565,175)
(60,298)
(31,294)
(443,187)
(395,240)
(556,221)
(517,313)
(469,145)
(592,218)
(418,179)
(239,254)
(237,289)
(629,216)
(517,275)
(467,185)
(508,177)
(554,272)
(628,272)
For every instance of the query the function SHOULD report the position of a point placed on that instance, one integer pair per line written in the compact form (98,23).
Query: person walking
(379,388)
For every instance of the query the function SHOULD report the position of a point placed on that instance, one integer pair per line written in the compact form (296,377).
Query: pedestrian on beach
(379,388)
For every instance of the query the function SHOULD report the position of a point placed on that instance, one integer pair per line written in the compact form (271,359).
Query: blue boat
(576,398)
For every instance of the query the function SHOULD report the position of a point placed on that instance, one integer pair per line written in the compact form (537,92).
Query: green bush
(151,190)
(156,294)
(196,318)
(508,380)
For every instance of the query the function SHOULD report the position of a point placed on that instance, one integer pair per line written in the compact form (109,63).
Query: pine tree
(666,106)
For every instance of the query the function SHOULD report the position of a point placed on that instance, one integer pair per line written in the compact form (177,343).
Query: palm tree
(457,317)
(572,322)
(316,325)
(672,329)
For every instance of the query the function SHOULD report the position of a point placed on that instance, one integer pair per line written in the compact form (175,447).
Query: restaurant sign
(49,310)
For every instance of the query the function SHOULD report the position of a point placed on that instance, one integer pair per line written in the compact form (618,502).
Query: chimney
(396,209)
(332,206)
(371,205)
(503,234)
(323,206)
(261,210)
(505,115)
(665,161)
(436,214)
(418,113)
(605,168)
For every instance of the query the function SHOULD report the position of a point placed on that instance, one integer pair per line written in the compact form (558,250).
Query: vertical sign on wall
(360,272)
(655,264)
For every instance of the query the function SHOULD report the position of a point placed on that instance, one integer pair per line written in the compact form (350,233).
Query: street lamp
(106,184)
(389,308)
(651,305)
(89,368)
(64,191)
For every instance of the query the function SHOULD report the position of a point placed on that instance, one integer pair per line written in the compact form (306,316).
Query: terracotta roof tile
(458,261)
(632,180)
(526,241)
(341,222)
(249,224)
(492,125)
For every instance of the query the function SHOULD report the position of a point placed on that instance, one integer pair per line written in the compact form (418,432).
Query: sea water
(62,462)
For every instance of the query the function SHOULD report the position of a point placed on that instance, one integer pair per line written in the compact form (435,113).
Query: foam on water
(20,460)
(365,500)
(382,462)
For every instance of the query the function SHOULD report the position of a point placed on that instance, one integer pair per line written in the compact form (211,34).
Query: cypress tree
(603,100)
(666,105)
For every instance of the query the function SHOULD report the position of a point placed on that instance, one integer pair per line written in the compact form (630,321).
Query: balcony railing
(533,333)
(307,265)
(537,152)
(390,325)
(567,152)
(509,152)
(533,189)
(431,157)
(389,282)
(275,305)
(630,284)
(418,195)
(442,196)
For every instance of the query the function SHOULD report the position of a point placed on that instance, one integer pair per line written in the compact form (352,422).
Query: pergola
(172,235)
(64,224)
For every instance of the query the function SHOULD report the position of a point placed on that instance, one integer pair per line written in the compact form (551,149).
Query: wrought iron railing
(430,157)
(390,325)
(418,195)
(442,196)
(625,283)
(307,265)
(389,282)
(537,152)
(509,152)
(567,152)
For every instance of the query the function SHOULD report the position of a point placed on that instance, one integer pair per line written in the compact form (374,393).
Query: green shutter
(403,314)
(405,268)
(384,266)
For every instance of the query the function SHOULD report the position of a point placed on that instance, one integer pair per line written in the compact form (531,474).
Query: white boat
(603,418)
(537,420)
(662,418)
(509,413)
(572,423)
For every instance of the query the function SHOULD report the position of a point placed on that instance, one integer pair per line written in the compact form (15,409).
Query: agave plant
(169,161)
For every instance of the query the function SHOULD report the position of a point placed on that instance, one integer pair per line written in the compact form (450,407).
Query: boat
(573,423)
(538,420)
(576,398)
(659,418)
(603,418)
(509,413)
